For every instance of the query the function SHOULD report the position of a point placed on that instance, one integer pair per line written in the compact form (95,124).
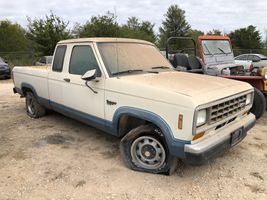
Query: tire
(33,108)
(153,148)
(259,104)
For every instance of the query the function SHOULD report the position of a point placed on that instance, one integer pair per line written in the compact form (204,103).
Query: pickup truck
(127,88)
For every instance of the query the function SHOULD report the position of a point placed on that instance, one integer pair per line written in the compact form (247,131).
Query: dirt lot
(58,158)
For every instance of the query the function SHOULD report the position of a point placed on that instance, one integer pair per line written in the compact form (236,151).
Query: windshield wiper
(222,51)
(160,67)
(128,71)
(208,49)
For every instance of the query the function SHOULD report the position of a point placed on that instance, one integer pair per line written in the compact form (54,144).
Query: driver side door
(80,101)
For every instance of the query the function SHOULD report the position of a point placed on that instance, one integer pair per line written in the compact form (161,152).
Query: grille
(223,110)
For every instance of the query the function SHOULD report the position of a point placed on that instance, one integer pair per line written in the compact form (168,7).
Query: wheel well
(127,123)
(25,90)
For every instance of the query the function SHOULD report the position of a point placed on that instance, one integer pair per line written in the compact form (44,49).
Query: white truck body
(164,98)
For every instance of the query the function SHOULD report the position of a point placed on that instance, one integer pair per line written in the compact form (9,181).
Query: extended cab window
(83,60)
(59,58)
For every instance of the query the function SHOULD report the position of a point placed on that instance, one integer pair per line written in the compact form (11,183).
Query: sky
(205,15)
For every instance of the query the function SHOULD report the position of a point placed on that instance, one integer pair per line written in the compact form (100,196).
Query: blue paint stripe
(90,120)
(175,146)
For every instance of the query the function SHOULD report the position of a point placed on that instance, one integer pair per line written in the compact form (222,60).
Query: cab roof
(104,39)
(213,37)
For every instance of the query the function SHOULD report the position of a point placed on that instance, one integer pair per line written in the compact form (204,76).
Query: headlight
(201,117)
(249,99)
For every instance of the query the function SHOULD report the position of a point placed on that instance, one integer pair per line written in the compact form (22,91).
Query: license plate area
(237,136)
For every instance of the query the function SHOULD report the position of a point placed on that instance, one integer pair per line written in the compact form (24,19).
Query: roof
(104,39)
(213,37)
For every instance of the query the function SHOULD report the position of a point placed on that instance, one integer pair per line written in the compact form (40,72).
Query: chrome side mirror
(89,75)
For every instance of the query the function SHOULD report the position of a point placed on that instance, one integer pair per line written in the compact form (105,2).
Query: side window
(241,57)
(83,60)
(250,57)
(59,58)
(256,58)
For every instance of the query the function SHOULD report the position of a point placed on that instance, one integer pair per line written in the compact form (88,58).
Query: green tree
(98,26)
(134,28)
(45,33)
(195,34)
(246,38)
(214,32)
(12,37)
(174,24)
(107,26)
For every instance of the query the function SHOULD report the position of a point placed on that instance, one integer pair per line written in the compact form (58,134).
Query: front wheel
(144,149)
(259,104)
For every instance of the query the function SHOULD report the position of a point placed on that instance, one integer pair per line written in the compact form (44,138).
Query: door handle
(66,79)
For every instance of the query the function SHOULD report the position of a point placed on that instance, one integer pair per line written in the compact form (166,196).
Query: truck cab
(126,88)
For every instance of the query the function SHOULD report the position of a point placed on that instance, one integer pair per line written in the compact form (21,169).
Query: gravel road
(55,157)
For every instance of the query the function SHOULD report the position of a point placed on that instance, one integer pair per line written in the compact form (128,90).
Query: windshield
(213,47)
(119,57)
(262,57)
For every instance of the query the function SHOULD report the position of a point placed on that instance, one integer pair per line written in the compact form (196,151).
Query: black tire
(259,104)
(168,163)
(33,108)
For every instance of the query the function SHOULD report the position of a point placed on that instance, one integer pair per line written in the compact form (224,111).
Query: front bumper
(218,143)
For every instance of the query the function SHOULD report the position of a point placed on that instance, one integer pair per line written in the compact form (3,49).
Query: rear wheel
(34,109)
(144,149)
(259,104)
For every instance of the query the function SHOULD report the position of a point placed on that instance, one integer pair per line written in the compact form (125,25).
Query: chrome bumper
(216,144)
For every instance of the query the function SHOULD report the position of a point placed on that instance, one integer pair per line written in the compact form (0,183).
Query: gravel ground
(55,157)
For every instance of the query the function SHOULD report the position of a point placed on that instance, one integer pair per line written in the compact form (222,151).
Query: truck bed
(34,76)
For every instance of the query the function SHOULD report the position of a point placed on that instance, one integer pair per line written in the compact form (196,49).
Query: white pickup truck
(125,87)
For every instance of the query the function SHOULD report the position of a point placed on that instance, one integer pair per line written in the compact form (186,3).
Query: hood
(167,86)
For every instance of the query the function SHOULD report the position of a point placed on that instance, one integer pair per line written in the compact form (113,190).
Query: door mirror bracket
(88,76)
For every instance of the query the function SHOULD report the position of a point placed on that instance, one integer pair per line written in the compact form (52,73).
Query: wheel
(144,149)
(259,104)
(34,109)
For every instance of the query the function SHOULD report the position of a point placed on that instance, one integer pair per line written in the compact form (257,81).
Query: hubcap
(30,106)
(147,152)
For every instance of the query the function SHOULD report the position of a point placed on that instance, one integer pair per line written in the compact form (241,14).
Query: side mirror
(89,75)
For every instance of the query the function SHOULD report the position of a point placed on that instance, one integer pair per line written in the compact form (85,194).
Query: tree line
(42,34)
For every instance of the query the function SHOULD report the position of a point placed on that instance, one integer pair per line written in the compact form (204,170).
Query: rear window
(59,58)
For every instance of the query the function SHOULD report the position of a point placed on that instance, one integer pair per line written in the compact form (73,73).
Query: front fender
(175,146)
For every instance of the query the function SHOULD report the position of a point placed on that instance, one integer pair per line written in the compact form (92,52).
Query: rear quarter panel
(36,77)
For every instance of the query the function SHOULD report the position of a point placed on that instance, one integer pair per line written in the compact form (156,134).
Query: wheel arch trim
(175,146)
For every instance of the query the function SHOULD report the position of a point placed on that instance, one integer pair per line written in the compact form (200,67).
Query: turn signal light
(180,122)
(197,136)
